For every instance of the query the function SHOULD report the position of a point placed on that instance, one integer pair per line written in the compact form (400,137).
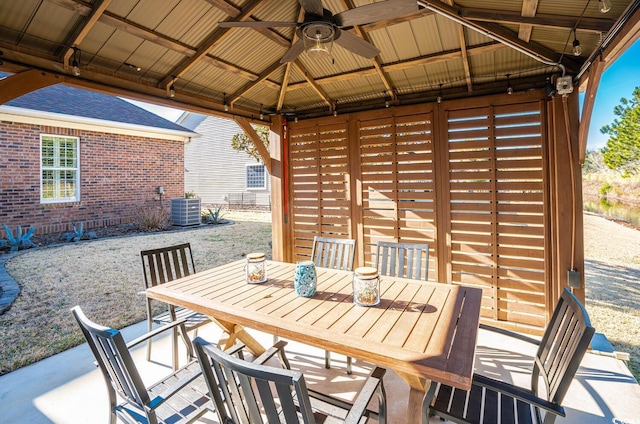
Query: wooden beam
(248,86)
(83,30)
(463,53)
(584,24)
(529,9)
(154,37)
(595,73)
(280,222)
(257,142)
(283,87)
(406,64)
(19,84)
(502,34)
(313,84)
(400,19)
(209,43)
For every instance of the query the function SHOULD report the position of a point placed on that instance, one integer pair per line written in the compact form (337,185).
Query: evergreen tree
(622,151)
(242,143)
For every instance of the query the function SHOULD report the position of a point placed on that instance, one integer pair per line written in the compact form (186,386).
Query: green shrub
(605,189)
(212,216)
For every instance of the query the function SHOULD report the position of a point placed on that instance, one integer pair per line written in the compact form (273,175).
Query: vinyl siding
(213,169)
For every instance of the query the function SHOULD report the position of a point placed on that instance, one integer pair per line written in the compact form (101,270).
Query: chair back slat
(114,360)
(410,260)
(167,264)
(562,347)
(255,389)
(333,253)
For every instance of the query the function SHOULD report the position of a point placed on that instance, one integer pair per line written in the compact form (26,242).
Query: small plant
(605,189)
(212,216)
(78,233)
(190,195)
(151,218)
(19,241)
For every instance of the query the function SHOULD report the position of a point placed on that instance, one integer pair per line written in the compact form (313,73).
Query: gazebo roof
(465,48)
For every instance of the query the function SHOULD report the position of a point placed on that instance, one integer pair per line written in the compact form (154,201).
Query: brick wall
(118,173)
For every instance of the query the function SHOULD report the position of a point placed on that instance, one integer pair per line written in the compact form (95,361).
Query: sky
(617,81)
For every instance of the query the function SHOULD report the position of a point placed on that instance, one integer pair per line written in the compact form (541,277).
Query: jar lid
(366,271)
(254,256)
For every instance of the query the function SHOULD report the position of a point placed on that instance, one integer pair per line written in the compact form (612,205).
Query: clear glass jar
(255,268)
(366,286)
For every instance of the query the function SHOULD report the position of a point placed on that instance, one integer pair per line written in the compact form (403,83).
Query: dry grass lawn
(104,277)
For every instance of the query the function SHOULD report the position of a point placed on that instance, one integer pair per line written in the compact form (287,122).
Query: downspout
(455,18)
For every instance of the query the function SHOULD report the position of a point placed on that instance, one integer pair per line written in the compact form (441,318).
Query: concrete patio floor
(67,388)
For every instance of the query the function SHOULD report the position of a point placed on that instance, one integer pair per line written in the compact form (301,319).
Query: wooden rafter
(454,54)
(83,30)
(507,36)
(314,85)
(257,142)
(210,42)
(584,24)
(529,9)
(595,73)
(154,37)
(377,64)
(463,52)
(248,86)
(287,71)
(400,19)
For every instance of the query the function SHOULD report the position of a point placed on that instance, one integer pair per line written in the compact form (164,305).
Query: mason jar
(255,268)
(366,286)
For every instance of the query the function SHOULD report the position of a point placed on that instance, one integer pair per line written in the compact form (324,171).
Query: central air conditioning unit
(185,211)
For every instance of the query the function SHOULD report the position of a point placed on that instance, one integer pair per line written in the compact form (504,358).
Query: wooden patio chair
(560,351)
(408,260)
(181,397)
(246,392)
(334,253)
(160,266)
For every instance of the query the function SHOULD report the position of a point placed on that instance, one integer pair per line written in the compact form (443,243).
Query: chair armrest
(518,393)
(510,334)
(371,386)
(154,333)
(278,349)
(359,407)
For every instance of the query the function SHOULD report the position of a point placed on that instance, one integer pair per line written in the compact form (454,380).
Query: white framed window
(256,177)
(59,169)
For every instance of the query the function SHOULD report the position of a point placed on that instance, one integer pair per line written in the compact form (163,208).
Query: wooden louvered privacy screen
(377,179)
(496,205)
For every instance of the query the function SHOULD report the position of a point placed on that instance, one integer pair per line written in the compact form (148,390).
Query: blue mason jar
(305,279)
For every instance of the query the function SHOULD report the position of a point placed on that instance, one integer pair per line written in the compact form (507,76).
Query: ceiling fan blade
(293,52)
(255,24)
(375,12)
(356,45)
(312,6)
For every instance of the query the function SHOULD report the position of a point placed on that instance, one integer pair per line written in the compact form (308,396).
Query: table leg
(418,388)
(237,332)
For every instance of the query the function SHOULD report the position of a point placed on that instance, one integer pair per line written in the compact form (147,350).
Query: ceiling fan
(320,27)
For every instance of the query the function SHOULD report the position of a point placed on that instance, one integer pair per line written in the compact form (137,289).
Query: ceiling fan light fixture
(318,39)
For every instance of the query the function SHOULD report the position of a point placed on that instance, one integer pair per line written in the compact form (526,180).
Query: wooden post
(280,226)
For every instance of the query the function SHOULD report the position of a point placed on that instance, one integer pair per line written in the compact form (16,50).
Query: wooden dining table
(422,331)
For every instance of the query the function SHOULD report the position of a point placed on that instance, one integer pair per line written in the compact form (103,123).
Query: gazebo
(451,123)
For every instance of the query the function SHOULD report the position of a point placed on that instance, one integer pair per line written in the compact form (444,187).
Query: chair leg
(187,341)
(149,327)
(174,347)
(349,364)
(327,359)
